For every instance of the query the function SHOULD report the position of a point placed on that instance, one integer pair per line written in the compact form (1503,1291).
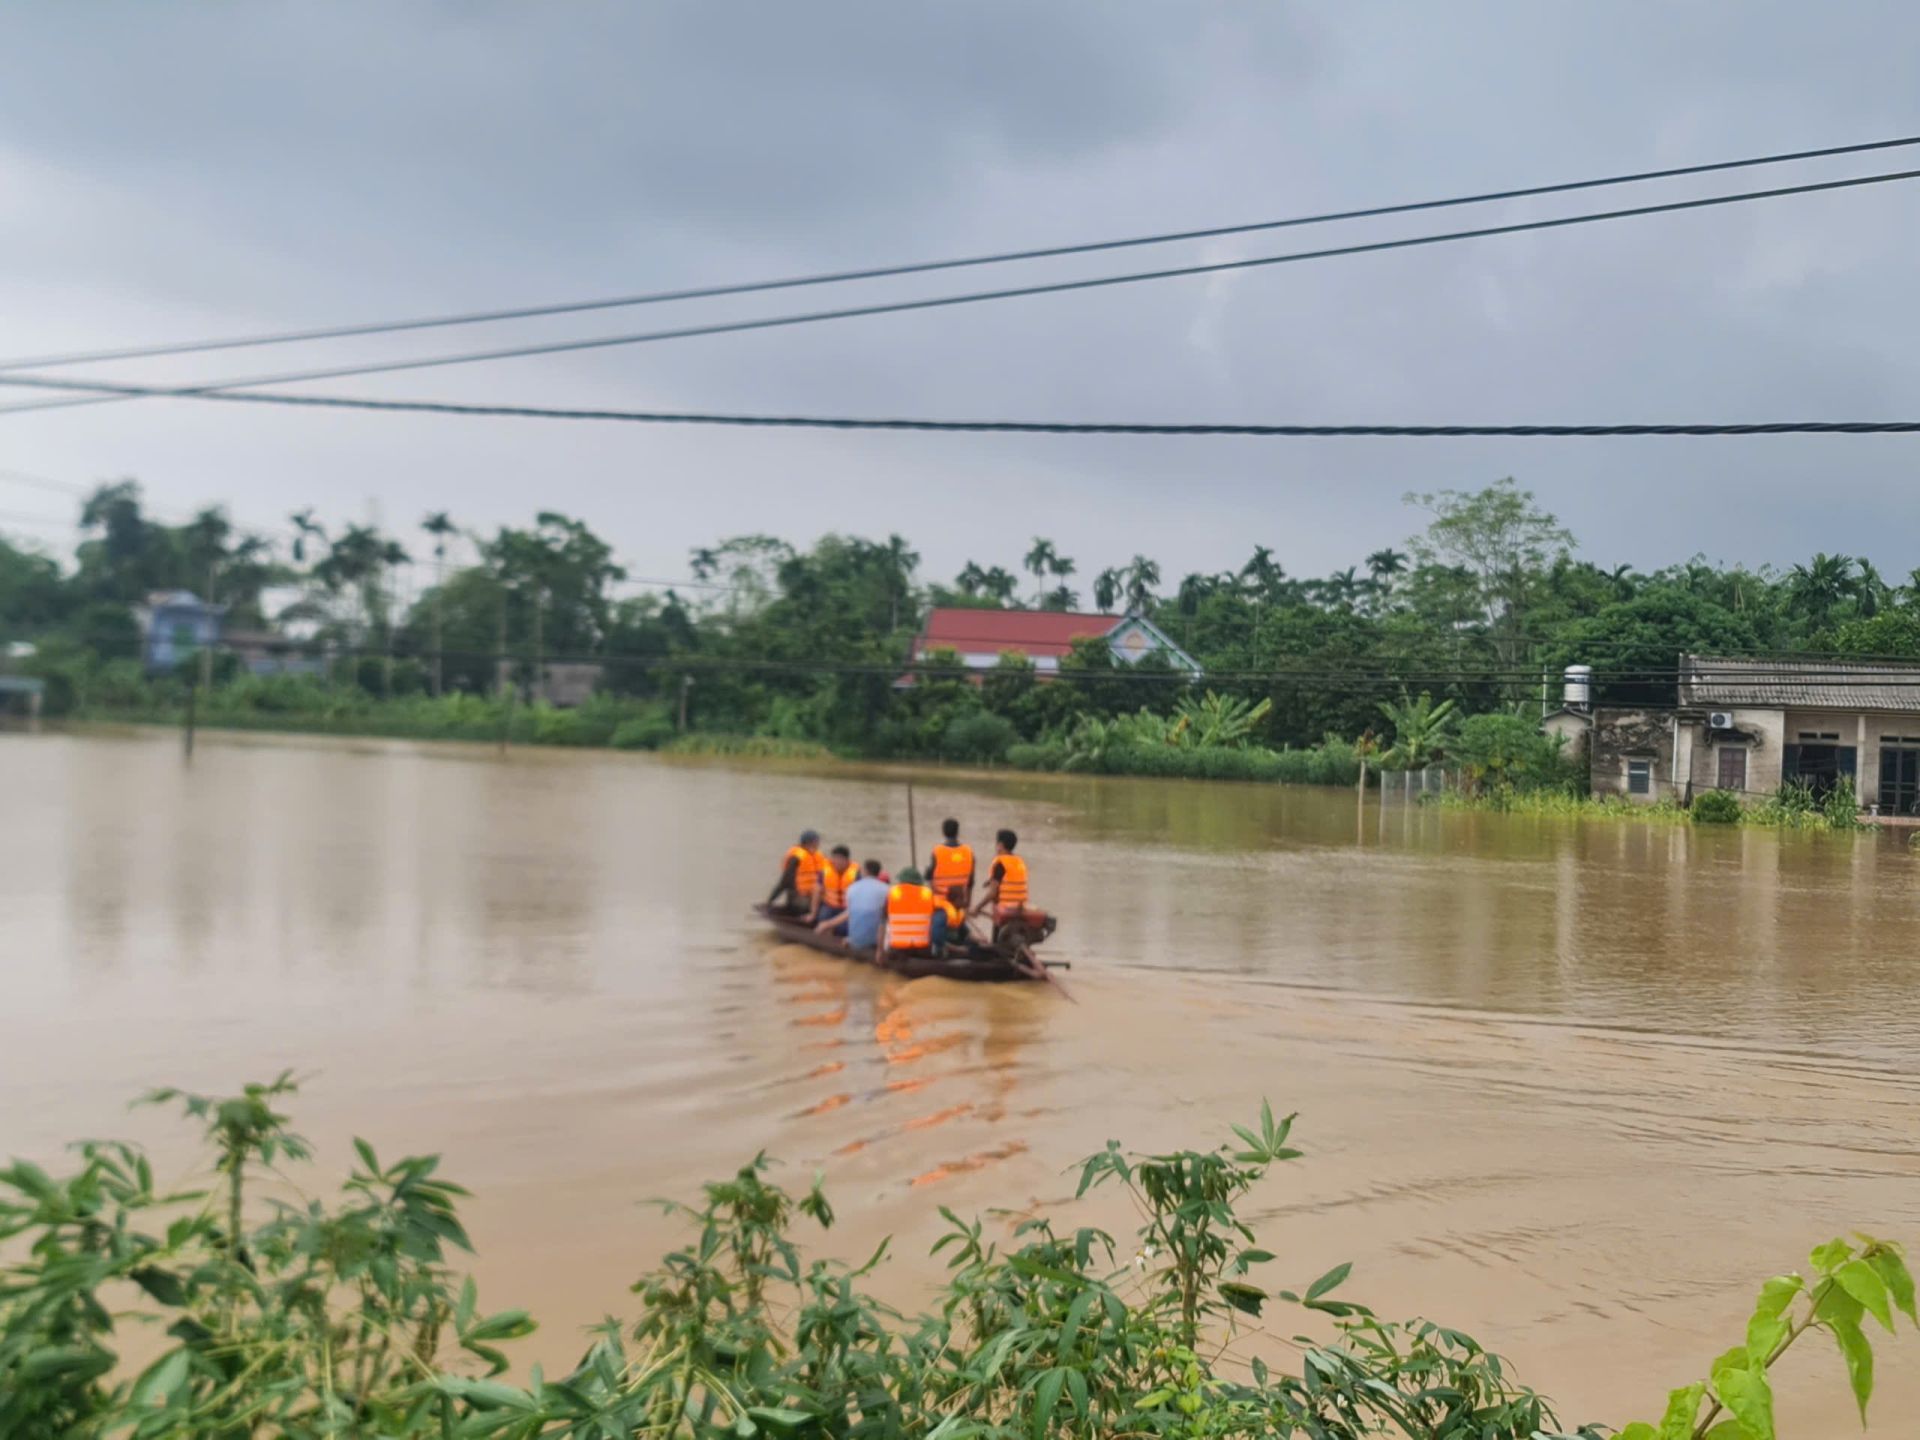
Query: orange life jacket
(952,868)
(1013,880)
(955,918)
(806,869)
(909,917)
(836,883)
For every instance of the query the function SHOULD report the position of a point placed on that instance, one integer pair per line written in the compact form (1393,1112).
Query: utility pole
(686,684)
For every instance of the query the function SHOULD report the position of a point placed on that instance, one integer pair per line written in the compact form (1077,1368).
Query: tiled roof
(989,632)
(1814,684)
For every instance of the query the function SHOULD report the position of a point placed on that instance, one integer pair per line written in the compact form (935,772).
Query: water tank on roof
(1577,694)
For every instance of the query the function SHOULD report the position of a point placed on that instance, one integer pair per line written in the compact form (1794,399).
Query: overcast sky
(180,170)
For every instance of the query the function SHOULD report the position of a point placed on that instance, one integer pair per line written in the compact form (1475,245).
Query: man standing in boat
(1007,892)
(800,876)
(951,869)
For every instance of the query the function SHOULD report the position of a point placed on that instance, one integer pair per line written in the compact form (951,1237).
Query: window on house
(1639,777)
(1819,734)
(1733,767)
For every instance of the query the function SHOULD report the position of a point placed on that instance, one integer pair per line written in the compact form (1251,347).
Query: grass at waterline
(1794,808)
(347,1319)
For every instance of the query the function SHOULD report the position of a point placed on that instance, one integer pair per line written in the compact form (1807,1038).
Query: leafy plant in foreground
(320,1321)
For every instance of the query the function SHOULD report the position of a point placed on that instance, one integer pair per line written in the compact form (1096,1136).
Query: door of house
(1899,780)
(1733,767)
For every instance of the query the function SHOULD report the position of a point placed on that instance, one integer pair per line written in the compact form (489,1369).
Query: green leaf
(1777,1294)
(1863,1283)
(1076,1317)
(779,1419)
(1728,1430)
(1077,1389)
(162,1285)
(1745,1392)
(1327,1281)
(507,1325)
(1683,1405)
(1891,1268)
(1831,1256)
(1858,1353)
(1242,1297)
(78,1362)
(1638,1430)
(1764,1334)
(1046,1398)
(162,1381)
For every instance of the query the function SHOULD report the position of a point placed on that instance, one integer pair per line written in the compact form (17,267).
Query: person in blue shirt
(866,910)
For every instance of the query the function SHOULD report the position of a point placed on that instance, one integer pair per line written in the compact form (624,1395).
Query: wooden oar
(1026,961)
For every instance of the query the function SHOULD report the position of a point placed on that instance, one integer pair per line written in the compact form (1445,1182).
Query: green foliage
(1503,752)
(1421,730)
(1850,1284)
(1716,807)
(979,736)
(648,730)
(345,1319)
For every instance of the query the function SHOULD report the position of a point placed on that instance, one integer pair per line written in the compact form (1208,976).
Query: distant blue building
(175,625)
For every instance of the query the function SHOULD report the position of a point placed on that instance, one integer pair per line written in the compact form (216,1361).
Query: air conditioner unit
(1720,720)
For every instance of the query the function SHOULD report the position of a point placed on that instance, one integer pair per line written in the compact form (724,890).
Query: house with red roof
(1044,637)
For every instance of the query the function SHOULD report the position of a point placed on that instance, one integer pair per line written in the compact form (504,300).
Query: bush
(1043,755)
(1716,807)
(978,735)
(643,732)
(267,1308)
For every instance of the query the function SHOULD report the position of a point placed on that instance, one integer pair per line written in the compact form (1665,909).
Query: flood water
(1575,1088)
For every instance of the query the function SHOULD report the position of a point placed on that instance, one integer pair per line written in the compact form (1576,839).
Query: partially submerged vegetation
(347,1320)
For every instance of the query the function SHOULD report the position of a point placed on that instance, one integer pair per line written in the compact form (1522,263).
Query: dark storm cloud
(171,170)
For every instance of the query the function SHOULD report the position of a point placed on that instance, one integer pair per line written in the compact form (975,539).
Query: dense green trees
(1482,608)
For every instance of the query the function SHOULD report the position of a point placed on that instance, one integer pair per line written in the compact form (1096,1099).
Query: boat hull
(975,963)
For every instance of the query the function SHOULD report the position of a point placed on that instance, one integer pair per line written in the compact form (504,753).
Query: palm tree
(704,563)
(1421,730)
(1344,587)
(1107,586)
(1384,565)
(900,561)
(1262,573)
(1142,575)
(971,580)
(999,585)
(309,529)
(1039,560)
(1061,597)
(1869,590)
(439,524)
(1815,588)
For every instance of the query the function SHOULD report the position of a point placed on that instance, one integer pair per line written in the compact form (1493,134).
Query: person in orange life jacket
(917,921)
(800,875)
(950,872)
(1007,892)
(837,872)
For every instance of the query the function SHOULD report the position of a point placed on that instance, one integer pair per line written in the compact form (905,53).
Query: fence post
(193,692)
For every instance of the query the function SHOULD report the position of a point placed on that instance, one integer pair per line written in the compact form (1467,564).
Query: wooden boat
(973,959)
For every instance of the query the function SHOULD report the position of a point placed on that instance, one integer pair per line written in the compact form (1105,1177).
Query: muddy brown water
(1575,1088)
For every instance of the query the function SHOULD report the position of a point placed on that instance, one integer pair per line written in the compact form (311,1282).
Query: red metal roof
(990,632)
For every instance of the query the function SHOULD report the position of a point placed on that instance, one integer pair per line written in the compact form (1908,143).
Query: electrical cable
(768,322)
(1024,427)
(1214,232)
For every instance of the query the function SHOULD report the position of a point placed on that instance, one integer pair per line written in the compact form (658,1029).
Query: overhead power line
(922,267)
(1029,427)
(96,388)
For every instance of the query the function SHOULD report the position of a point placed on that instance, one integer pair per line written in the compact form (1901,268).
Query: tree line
(1489,594)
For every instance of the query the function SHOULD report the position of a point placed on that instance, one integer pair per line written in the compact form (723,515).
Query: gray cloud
(188,169)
